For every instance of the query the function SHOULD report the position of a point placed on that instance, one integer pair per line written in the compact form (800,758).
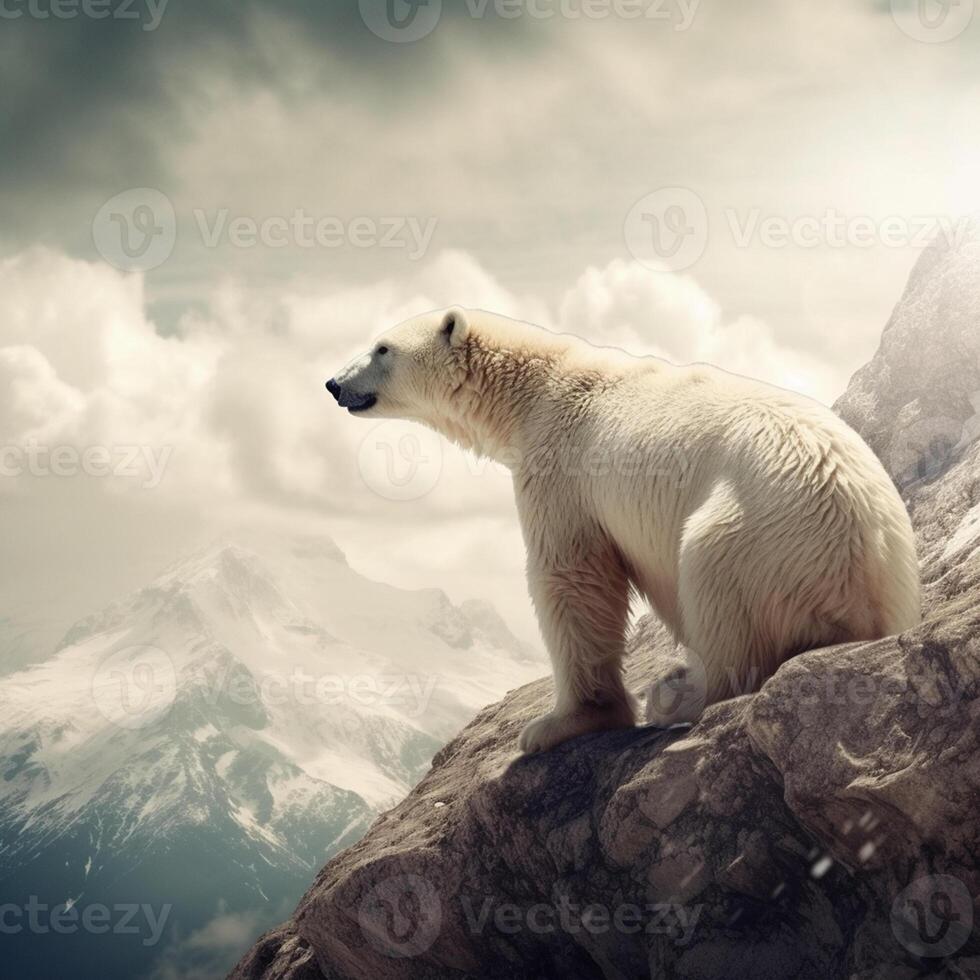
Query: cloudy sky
(206,207)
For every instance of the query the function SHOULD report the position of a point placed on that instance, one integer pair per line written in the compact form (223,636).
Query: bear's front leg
(581,595)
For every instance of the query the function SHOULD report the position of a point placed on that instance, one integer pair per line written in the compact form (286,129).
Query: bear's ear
(454,326)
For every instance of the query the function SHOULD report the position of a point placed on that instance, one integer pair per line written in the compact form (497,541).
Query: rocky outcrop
(917,401)
(826,827)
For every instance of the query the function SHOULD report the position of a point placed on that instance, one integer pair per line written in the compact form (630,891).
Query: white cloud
(626,305)
(33,399)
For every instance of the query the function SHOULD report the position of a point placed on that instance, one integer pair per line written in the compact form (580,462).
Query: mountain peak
(915,402)
(282,542)
(962,237)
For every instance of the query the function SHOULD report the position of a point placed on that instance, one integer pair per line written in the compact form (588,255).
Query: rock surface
(826,827)
(917,401)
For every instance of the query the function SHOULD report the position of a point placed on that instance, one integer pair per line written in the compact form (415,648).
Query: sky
(208,207)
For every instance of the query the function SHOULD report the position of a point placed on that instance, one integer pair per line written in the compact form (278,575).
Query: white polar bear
(755,522)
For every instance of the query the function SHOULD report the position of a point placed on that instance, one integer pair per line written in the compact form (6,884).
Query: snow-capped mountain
(210,739)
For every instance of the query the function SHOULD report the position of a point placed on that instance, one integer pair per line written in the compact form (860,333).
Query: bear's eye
(382,349)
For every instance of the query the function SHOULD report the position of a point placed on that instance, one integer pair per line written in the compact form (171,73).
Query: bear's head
(471,375)
(411,372)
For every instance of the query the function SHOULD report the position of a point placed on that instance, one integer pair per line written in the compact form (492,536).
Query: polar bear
(753,520)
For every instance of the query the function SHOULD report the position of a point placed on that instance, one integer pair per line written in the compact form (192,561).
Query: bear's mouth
(360,403)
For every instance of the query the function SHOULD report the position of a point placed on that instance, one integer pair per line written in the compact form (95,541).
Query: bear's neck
(494,407)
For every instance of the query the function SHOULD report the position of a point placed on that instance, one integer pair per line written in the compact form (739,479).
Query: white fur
(753,520)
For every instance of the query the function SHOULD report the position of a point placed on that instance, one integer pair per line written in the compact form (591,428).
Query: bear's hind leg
(582,603)
(722,586)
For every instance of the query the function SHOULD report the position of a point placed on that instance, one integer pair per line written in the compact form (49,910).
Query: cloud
(671,316)
(86,366)
(34,401)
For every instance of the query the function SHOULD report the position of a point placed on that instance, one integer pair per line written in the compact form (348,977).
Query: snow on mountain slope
(241,717)
(290,645)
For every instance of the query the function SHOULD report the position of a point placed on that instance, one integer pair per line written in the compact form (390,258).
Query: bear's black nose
(334,388)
